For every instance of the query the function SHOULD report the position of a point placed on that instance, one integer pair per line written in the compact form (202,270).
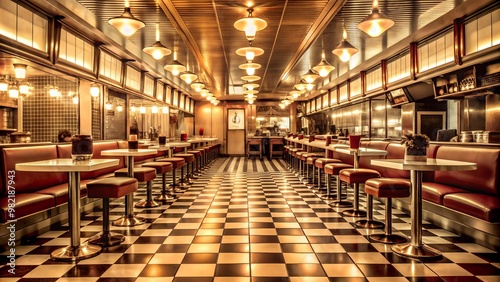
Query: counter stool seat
(161,168)
(388,188)
(356,176)
(142,174)
(321,162)
(106,188)
(189,158)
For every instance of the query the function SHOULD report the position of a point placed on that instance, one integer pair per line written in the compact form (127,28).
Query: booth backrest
(64,151)
(395,151)
(483,180)
(27,181)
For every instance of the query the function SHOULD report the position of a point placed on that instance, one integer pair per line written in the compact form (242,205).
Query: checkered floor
(247,220)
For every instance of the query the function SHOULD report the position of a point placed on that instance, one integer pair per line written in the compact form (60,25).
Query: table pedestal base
(388,239)
(83,251)
(128,220)
(147,204)
(420,252)
(164,198)
(369,224)
(107,239)
(341,204)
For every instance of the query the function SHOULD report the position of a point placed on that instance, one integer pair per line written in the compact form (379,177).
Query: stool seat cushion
(112,187)
(161,167)
(307,155)
(321,162)
(335,168)
(189,158)
(142,174)
(311,160)
(388,187)
(357,175)
(175,161)
(196,153)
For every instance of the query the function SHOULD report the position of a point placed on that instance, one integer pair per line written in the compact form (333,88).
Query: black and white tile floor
(247,220)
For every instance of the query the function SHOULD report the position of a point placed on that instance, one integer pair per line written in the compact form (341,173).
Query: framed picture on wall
(235,119)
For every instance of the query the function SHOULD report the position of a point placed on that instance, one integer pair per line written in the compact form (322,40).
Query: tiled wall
(43,115)
(96,119)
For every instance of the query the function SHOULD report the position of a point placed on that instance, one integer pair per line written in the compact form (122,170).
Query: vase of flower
(416,147)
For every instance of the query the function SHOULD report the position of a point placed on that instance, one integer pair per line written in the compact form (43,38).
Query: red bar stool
(106,188)
(309,160)
(300,158)
(388,188)
(320,165)
(185,180)
(176,163)
(334,169)
(356,176)
(142,174)
(161,168)
(197,157)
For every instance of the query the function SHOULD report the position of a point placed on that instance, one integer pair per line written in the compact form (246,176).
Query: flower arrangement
(415,141)
(416,147)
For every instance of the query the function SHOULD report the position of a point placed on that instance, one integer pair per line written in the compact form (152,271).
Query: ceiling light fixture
(295,93)
(310,76)
(250,67)
(24,88)
(209,96)
(249,52)
(250,86)
(301,86)
(250,92)
(345,50)
(197,86)
(250,25)
(157,50)
(126,23)
(175,67)
(20,71)
(250,78)
(142,109)
(154,109)
(323,68)
(375,23)
(204,92)
(189,77)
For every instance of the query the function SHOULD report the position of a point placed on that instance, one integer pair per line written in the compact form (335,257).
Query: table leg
(129,219)
(415,248)
(75,251)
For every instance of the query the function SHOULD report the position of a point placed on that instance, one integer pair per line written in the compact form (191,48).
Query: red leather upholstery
(142,174)
(189,158)
(435,192)
(161,167)
(27,181)
(176,162)
(26,204)
(113,187)
(321,162)
(311,160)
(196,153)
(357,175)
(388,187)
(335,168)
(482,206)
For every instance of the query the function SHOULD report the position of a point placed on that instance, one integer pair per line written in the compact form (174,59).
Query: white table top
(179,144)
(60,165)
(360,151)
(160,148)
(429,165)
(128,153)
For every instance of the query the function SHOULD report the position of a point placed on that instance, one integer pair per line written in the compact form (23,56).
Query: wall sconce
(4,84)
(132,109)
(108,105)
(95,89)
(142,109)
(54,91)
(24,88)
(14,91)
(119,108)
(154,109)
(20,71)
(165,110)
(75,99)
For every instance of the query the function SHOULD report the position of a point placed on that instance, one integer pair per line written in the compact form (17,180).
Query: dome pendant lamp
(375,23)
(175,67)
(157,50)
(126,23)
(250,25)
(345,50)
(323,68)
(250,52)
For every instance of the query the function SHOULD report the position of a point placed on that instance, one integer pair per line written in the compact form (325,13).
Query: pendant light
(94,90)
(108,105)
(250,52)
(250,67)
(154,109)
(157,50)
(310,76)
(119,108)
(175,67)
(250,25)
(250,78)
(375,23)
(197,86)
(188,76)
(204,92)
(345,50)
(250,86)
(323,68)
(126,23)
